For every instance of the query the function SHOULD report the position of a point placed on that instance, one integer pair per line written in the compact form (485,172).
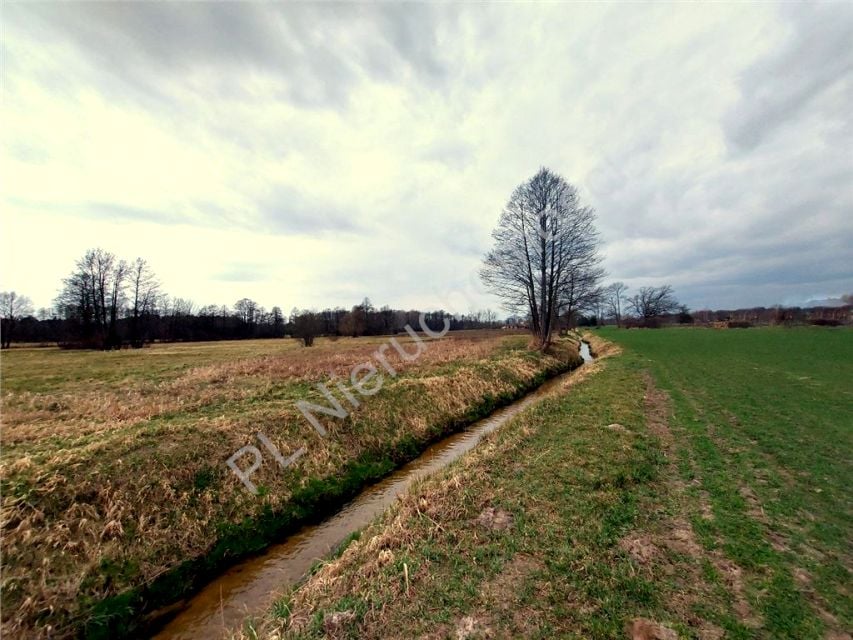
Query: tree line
(655,306)
(545,266)
(108,303)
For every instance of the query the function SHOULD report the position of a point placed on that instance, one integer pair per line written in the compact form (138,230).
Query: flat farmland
(116,494)
(691,483)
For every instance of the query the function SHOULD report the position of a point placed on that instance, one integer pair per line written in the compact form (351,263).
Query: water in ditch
(248,587)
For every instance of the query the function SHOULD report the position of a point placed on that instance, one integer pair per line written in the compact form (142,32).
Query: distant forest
(180,322)
(108,303)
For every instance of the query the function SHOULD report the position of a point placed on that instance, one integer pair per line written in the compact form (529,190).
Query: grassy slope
(113,463)
(716,508)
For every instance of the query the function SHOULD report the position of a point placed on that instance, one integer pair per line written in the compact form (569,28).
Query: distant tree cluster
(366,320)
(101,291)
(13,308)
(648,307)
(109,303)
(656,306)
(778,315)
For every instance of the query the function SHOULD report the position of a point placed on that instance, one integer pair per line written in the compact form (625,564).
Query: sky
(309,155)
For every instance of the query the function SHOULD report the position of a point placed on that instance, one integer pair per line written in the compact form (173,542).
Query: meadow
(691,483)
(116,496)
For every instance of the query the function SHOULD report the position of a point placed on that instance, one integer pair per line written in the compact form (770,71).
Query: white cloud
(313,154)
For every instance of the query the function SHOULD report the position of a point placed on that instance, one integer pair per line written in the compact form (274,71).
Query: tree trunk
(544,325)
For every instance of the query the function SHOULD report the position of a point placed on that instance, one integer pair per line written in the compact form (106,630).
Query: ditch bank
(247,587)
(142,611)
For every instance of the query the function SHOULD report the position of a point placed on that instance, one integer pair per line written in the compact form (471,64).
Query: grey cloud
(463,239)
(764,217)
(281,210)
(756,259)
(751,204)
(202,214)
(733,296)
(142,46)
(816,57)
(308,48)
(411,31)
(773,233)
(285,210)
(121,211)
(28,152)
(102,210)
(452,153)
(826,301)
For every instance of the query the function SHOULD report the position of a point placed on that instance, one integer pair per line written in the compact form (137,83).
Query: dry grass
(94,406)
(600,347)
(456,511)
(114,473)
(638,506)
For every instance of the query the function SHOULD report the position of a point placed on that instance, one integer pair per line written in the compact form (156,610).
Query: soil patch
(643,629)
(494,519)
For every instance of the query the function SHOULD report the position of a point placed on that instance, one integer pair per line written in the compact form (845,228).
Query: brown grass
(84,410)
(430,510)
(110,482)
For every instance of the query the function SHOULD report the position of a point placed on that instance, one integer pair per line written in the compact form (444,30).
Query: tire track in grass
(739,530)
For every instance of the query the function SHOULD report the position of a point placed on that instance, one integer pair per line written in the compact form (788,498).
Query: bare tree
(12,308)
(581,291)
(650,302)
(545,258)
(247,310)
(354,323)
(178,307)
(616,300)
(306,326)
(93,295)
(144,290)
(120,271)
(277,319)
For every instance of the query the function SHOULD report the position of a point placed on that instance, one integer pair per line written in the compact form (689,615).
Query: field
(694,483)
(116,495)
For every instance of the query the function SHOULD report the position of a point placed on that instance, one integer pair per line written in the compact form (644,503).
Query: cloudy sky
(309,155)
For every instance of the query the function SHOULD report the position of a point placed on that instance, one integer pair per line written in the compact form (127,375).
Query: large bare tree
(545,259)
(650,302)
(12,308)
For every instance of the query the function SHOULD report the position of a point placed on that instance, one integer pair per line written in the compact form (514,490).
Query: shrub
(643,323)
(825,322)
(738,324)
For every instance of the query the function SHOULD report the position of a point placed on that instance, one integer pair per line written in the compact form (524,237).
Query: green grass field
(765,419)
(695,485)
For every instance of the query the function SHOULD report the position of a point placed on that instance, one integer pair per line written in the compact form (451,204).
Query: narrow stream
(248,587)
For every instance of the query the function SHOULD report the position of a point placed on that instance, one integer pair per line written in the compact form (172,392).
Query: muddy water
(249,587)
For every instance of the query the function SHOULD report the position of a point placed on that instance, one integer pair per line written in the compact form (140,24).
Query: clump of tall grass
(118,499)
